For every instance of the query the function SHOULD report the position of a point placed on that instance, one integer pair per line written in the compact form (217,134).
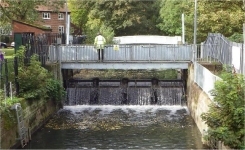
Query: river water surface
(119,127)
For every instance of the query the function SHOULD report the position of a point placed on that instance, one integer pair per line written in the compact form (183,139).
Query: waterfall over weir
(126,92)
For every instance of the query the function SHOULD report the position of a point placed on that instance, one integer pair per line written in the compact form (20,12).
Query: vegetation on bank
(7,115)
(35,83)
(225,117)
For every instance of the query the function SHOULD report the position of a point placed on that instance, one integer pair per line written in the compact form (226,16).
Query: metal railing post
(194,53)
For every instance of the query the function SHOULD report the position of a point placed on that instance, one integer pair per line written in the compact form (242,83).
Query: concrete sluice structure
(125,92)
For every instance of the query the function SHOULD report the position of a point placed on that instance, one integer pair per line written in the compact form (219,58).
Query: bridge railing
(204,79)
(208,53)
(219,48)
(121,53)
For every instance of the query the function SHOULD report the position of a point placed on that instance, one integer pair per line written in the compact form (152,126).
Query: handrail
(126,53)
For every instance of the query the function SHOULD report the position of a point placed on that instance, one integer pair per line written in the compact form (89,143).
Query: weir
(125,92)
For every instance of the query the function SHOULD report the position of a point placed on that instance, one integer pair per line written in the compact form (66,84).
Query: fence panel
(122,54)
(52,54)
(78,53)
(9,75)
(218,48)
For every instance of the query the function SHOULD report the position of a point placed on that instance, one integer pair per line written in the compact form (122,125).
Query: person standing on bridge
(99,44)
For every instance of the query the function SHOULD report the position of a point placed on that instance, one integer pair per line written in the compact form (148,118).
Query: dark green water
(119,127)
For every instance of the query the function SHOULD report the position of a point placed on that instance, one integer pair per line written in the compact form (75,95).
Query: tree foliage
(24,10)
(225,117)
(170,21)
(236,37)
(225,17)
(130,17)
(123,17)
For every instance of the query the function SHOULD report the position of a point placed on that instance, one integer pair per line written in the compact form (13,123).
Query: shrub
(225,117)
(35,81)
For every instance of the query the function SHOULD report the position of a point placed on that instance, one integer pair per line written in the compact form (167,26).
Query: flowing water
(137,93)
(109,125)
(119,127)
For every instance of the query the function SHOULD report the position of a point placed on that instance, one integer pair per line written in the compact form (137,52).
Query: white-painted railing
(124,53)
(204,79)
(218,48)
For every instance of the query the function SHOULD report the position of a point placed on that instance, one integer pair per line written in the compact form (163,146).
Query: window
(60,16)
(61,29)
(46,15)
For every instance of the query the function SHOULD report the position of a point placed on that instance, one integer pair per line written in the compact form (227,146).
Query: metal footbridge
(123,56)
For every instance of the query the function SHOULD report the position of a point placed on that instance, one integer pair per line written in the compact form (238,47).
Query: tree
(25,10)
(225,17)
(225,117)
(79,10)
(122,17)
(170,18)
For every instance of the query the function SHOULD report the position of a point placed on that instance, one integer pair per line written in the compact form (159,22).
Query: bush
(236,37)
(36,82)
(55,90)
(7,114)
(225,117)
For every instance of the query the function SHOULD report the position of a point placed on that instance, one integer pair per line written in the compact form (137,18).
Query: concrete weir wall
(35,114)
(197,100)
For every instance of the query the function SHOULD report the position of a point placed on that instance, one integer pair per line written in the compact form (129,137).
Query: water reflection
(119,127)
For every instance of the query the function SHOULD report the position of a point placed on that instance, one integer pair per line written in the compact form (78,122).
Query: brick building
(56,20)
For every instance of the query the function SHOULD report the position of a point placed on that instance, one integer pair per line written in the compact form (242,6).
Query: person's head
(98,33)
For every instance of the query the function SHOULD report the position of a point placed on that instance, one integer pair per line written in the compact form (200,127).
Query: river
(119,127)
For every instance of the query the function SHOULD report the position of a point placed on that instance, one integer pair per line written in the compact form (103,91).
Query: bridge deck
(124,57)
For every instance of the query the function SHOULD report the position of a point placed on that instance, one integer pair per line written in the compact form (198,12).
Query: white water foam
(107,109)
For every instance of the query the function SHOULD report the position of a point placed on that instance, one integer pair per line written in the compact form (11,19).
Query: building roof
(34,25)
(47,8)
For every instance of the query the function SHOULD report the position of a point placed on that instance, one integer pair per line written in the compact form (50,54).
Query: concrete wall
(35,113)
(197,101)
